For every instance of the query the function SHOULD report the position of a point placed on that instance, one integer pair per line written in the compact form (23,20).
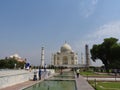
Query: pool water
(53,85)
(60,82)
(63,77)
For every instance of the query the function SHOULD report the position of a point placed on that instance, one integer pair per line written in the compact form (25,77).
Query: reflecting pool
(64,81)
(53,85)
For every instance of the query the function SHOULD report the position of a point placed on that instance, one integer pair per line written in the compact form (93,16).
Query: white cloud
(106,31)
(87,7)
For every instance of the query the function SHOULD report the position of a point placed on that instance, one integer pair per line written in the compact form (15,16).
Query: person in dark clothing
(78,72)
(35,76)
(40,73)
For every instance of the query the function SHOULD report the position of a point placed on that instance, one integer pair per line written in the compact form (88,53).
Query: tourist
(27,66)
(78,72)
(35,76)
(45,67)
(40,73)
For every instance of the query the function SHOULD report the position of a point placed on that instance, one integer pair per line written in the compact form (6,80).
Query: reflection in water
(48,87)
(55,84)
(39,85)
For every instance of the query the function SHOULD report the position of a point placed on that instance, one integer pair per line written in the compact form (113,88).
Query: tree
(3,64)
(20,65)
(10,63)
(108,52)
(115,56)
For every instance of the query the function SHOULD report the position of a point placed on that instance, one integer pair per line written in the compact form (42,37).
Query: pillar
(42,57)
(87,56)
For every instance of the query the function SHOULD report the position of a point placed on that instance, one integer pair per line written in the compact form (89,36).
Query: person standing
(40,73)
(78,72)
(35,76)
(45,67)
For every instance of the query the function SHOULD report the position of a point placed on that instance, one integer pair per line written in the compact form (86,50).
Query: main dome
(66,48)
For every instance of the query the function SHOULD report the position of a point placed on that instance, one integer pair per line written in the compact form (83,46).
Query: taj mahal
(65,56)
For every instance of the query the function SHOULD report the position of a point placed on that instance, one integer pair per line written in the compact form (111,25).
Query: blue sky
(27,25)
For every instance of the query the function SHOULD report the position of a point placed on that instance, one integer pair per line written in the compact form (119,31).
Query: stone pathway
(82,84)
(21,85)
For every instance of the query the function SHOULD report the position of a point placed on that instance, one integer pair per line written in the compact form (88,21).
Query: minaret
(42,57)
(87,56)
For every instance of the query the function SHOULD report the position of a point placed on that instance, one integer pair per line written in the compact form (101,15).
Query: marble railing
(12,77)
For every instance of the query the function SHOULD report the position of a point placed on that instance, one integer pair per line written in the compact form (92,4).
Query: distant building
(18,58)
(65,57)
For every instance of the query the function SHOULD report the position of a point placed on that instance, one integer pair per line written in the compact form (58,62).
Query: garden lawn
(106,85)
(90,73)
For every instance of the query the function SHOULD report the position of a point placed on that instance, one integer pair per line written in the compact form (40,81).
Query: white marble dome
(15,55)
(66,48)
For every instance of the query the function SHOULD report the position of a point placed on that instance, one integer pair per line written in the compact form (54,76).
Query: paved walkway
(21,85)
(82,84)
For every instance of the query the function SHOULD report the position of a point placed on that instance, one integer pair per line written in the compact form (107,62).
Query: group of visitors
(39,75)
